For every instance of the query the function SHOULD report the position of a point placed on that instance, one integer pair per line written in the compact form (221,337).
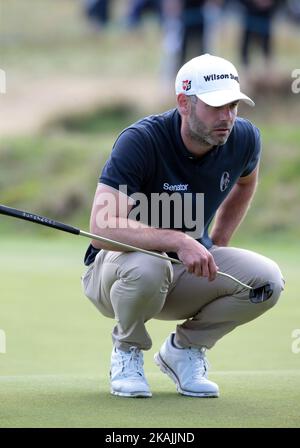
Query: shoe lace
(199,362)
(132,362)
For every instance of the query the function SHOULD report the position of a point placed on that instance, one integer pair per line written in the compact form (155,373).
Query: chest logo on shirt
(225,181)
(178,187)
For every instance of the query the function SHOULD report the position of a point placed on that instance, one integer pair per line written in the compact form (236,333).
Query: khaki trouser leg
(130,287)
(213,309)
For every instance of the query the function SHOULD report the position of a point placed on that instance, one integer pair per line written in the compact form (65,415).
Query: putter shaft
(42,220)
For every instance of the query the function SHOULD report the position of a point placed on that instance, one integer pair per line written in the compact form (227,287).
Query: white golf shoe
(127,374)
(187,367)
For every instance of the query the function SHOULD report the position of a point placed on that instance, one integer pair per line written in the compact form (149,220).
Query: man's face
(211,125)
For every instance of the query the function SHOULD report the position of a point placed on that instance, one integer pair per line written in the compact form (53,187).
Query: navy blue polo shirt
(150,157)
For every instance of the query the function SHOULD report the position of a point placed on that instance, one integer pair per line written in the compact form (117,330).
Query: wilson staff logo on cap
(212,79)
(186,85)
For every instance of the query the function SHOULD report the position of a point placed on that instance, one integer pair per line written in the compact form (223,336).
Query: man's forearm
(231,213)
(137,234)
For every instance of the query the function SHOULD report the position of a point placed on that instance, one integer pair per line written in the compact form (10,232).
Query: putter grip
(20,214)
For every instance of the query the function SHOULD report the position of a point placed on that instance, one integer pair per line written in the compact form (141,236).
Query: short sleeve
(254,151)
(130,162)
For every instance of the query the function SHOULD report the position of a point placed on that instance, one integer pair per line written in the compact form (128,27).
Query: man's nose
(226,114)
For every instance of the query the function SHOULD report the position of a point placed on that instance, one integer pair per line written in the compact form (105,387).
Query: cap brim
(218,98)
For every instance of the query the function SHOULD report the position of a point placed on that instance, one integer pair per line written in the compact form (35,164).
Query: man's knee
(275,278)
(269,273)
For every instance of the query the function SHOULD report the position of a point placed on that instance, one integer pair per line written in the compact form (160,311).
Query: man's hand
(196,258)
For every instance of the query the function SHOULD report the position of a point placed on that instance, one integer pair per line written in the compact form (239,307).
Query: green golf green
(54,372)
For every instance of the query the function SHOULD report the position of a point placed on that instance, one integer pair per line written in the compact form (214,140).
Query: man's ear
(183,104)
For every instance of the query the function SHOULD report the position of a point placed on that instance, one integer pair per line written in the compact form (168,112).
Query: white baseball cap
(212,79)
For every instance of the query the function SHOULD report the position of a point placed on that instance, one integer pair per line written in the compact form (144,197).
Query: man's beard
(199,133)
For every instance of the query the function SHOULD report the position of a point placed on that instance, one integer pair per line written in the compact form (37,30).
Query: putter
(256,295)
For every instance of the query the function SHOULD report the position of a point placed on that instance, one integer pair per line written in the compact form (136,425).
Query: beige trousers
(133,288)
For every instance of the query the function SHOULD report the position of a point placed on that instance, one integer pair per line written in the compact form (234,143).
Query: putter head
(261,293)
